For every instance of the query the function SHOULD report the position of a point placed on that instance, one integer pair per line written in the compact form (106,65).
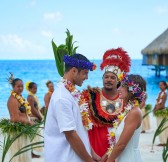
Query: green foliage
(160,129)
(161,113)
(8,127)
(148,112)
(63,49)
(13,131)
(165,152)
(148,107)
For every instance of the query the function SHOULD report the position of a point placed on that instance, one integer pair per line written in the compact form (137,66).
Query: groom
(65,139)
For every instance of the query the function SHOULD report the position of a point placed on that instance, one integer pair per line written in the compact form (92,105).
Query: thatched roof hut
(158,46)
(156,53)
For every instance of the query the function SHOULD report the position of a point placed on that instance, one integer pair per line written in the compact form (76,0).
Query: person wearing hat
(65,139)
(103,103)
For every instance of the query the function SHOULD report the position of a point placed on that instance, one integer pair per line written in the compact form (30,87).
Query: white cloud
(161,10)
(14,43)
(54,16)
(116,30)
(32,3)
(47,33)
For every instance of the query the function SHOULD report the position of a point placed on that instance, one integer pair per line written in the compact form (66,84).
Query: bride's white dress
(131,152)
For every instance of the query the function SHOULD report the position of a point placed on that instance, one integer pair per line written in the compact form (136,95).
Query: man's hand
(95,157)
(104,158)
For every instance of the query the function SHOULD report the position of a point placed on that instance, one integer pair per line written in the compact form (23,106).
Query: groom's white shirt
(63,115)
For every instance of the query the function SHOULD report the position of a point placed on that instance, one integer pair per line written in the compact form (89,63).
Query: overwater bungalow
(156,54)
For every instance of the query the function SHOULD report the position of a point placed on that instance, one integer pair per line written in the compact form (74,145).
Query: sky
(28,26)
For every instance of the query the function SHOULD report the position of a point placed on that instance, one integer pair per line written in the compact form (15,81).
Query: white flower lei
(83,105)
(112,130)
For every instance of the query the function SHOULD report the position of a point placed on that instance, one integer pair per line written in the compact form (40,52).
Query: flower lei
(83,105)
(22,101)
(35,97)
(117,121)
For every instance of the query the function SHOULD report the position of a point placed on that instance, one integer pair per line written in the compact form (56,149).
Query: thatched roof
(158,46)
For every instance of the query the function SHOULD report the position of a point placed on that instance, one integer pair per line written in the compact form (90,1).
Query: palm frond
(27,148)
(159,130)
(144,116)
(63,49)
(13,131)
(165,152)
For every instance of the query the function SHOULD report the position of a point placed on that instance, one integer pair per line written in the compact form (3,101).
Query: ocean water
(40,71)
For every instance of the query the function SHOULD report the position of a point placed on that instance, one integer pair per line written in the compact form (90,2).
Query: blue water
(39,71)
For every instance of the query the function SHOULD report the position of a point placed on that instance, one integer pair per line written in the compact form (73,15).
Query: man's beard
(108,89)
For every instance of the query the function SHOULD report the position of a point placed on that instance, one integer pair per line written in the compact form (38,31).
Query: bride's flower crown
(133,88)
(71,61)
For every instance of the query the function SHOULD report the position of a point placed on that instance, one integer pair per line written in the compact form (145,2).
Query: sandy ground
(145,146)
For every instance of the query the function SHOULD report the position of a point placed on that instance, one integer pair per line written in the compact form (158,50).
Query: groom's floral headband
(133,88)
(71,61)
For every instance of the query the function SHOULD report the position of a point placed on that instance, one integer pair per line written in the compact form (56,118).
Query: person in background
(31,87)
(160,105)
(65,138)
(36,116)
(47,96)
(19,110)
(146,120)
(128,132)
(162,97)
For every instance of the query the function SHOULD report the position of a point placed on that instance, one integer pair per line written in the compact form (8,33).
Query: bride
(128,132)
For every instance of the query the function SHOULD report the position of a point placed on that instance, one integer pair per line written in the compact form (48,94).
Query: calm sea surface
(39,71)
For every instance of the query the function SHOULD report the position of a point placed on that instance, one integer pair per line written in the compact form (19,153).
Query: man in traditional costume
(104,103)
(65,139)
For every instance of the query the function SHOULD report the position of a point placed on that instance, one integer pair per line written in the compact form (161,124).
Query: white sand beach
(145,146)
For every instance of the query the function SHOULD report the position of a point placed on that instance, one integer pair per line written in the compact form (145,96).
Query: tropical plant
(162,113)
(144,116)
(13,131)
(63,49)
(165,152)
(148,107)
(148,110)
(160,129)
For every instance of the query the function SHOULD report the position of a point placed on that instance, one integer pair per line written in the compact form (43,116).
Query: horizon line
(47,59)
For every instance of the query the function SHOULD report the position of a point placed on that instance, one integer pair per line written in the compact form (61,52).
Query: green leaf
(165,152)
(159,130)
(61,50)
(147,114)
(10,130)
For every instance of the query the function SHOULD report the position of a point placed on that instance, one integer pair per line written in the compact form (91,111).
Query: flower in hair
(27,85)
(71,61)
(133,88)
(10,78)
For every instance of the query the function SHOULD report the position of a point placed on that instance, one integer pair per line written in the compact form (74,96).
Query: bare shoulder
(30,98)
(134,115)
(47,94)
(12,102)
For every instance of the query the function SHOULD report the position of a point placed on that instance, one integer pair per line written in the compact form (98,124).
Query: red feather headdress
(116,61)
